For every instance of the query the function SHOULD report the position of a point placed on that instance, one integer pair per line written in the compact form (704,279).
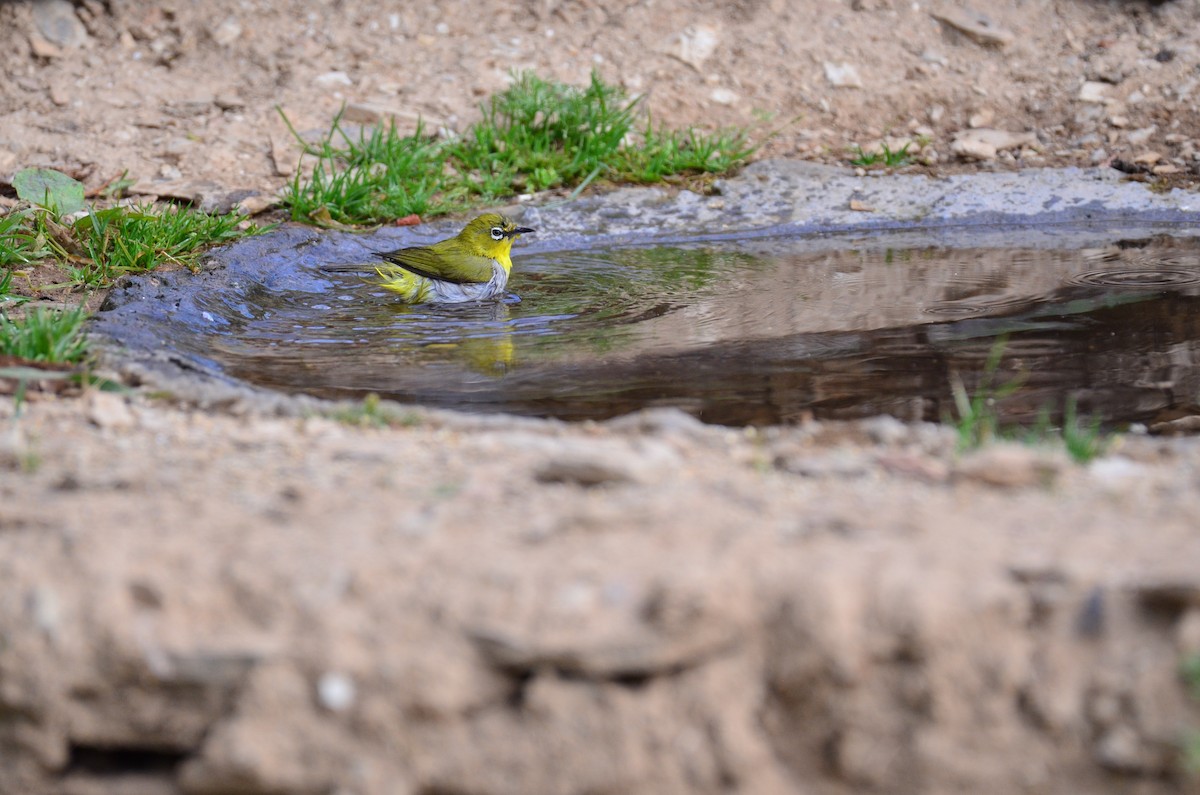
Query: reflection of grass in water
(1082,440)
(604,301)
(627,280)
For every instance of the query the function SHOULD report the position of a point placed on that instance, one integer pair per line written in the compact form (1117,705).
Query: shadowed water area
(735,331)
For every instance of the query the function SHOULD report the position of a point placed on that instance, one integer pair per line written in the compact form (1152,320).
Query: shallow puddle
(735,332)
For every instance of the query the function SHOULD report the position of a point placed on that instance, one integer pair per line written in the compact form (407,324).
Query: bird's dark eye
(497,233)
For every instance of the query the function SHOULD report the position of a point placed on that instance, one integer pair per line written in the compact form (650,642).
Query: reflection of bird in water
(483,341)
(486,355)
(471,266)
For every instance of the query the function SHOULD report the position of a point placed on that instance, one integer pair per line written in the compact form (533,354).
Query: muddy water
(751,332)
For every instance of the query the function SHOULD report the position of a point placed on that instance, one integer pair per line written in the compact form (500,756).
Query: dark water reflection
(742,333)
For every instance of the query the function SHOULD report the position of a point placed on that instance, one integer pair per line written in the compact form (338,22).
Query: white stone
(333,80)
(985,143)
(229,31)
(842,75)
(336,691)
(724,96)
(696,44)
(1140,136)
(1094,92)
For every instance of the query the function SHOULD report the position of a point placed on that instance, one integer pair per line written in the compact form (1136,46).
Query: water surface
(757,331)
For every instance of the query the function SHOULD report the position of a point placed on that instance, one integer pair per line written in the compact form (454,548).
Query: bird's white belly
(452,293)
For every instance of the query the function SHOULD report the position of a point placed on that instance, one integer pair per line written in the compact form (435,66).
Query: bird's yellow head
(491,235)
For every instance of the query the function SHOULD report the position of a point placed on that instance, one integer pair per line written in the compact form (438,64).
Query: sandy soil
(218,601)
(185,91)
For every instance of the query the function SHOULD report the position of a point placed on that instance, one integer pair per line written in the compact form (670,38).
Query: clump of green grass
(538,134)
(979,421)
(120,240)
(533,136)
(45,335)
(48,336)
(885,158)
(371,178)
(96,245)
(7,296)
(19,243)
(374,413)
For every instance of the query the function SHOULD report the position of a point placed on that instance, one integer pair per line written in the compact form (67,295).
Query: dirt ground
(187,93)
(220,600)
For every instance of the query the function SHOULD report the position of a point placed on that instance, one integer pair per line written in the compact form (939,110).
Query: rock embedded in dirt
(1010,465)
(985,143)
(336,691)
(1094,92)
(57,22)
(602,463)
(334,79)
(109,410)
(695,45)
(981,119)
(976,26)
(1140,136)
(724,96)
(835,464)
(974,149)
(226,32)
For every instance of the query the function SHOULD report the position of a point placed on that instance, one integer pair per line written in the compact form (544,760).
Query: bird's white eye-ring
(497,233)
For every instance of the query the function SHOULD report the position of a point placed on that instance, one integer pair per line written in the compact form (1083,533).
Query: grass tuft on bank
(533,136)
(45,335)
(95,245)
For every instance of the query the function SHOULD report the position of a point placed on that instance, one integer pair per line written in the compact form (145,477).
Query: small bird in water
(471,266)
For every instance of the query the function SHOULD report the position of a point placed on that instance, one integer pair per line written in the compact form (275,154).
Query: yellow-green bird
(471,266)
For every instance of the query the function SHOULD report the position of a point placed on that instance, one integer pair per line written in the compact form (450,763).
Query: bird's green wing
(451,266)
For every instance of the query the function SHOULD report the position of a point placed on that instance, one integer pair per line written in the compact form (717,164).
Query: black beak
(521,230)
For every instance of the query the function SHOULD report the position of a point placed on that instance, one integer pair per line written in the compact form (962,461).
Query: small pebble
(1094,92)
(1121,750)
(1116,469)
(842,75)
(724,96)
(333,80)
(981,119)
(336,691)
(227,32)
(109,410)
(1140,136)
(974,149)
(57,22)
(885,429)
(45,609)
(836,464)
